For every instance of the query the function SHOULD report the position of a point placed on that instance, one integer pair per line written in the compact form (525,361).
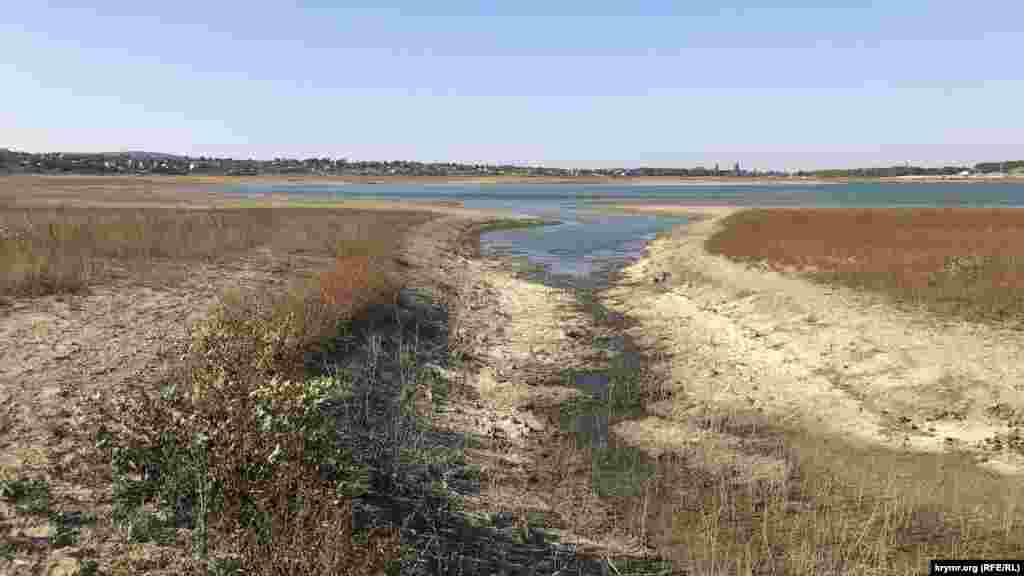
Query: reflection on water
(584,243)
(537,197)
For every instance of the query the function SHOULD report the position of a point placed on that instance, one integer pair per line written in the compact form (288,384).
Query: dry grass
(239,446)
(38,190)
(837,509)
(966,262)
(242,448)
(65,249)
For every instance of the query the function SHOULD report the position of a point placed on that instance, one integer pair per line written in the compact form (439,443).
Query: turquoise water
(580,246)
(588,241)
(516,196)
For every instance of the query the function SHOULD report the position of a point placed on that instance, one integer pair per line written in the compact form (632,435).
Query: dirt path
(828,358)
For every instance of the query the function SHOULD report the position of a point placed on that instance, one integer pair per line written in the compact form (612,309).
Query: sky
(772,85)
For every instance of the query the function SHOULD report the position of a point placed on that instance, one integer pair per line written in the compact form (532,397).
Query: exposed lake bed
(725,413)
(624,397)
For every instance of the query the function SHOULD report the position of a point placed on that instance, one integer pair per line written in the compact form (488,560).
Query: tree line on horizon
(155,163)
(1007,167)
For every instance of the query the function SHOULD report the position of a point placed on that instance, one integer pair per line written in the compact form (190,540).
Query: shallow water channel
(583,254)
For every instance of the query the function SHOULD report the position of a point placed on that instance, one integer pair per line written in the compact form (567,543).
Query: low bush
(241,446)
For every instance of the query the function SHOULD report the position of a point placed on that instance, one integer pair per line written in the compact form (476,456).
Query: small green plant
(516,224)
(63,535)
(7,550)
(30,496)
(244,451)
(88,568)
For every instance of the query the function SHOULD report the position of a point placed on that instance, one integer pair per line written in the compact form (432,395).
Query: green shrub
(243,449)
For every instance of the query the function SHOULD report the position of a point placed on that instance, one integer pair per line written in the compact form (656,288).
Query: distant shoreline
(489,180)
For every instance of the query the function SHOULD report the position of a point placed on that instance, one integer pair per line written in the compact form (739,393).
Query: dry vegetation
(743,489)
(826,507)
(294,437)
(968,262)
(238,446)
(284,419)
(64,249)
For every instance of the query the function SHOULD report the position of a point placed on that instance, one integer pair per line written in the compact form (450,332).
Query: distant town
(140,163)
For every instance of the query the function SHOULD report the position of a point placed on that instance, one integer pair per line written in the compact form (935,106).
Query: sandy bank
(831,360)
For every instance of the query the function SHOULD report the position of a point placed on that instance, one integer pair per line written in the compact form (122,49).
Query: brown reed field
(968,262)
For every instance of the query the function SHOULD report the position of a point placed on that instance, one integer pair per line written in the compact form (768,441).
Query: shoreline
(755,314)
(343,180)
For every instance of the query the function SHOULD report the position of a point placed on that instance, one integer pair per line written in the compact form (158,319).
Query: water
(590,244)
(534,197)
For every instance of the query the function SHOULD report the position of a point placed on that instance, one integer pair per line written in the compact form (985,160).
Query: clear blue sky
(561,82)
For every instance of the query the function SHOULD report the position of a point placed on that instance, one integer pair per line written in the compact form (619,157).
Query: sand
(829,359)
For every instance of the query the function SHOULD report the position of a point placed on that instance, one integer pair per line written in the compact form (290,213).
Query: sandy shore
(832,360)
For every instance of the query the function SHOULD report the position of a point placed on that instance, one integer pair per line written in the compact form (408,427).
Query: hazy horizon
(789,86)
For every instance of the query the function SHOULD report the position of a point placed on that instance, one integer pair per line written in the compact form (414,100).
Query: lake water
(589,241)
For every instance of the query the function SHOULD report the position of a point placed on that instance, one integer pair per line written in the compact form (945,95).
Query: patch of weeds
(63,536)
(576,407)
(142,526)
(28,496)
(640,567)
(440,388)
(624,393)
(620,471)
(225,567)
(88,568)
(515,224)
(252,463)
(7,550)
